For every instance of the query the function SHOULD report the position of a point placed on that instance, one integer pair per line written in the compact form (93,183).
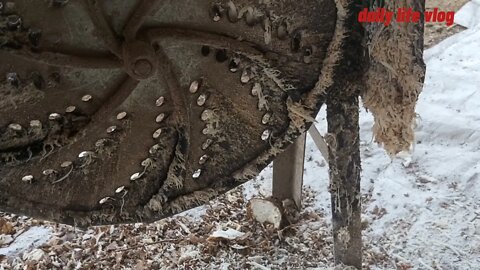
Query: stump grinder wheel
(132,111)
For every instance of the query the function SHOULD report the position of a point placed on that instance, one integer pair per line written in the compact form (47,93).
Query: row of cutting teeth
(51,117)
(245,78)
(251,14)
(159,103)
(86,156)
(38,125)
(122,189)
(147,163)
(257,91)
(33,124)
(271,25)
(206,113)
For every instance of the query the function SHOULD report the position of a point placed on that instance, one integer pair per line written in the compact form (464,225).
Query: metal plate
(127,111)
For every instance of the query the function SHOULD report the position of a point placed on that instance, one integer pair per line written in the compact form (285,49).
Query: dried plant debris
(216,236)
(394,81)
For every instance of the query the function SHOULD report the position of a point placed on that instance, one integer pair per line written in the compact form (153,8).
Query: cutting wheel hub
(136,110)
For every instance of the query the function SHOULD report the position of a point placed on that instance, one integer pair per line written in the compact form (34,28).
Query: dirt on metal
(128,111)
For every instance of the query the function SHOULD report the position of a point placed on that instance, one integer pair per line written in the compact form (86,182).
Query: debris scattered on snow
(5,239)
(424,179)
(258,266)
(34,255)
(189,252)
(229,234)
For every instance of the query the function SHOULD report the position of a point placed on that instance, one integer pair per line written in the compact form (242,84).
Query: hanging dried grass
(394,79)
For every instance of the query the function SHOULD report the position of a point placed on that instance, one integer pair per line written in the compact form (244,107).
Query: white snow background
(431,198)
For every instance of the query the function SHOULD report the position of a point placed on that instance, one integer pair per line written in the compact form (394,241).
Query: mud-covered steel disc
(125,111)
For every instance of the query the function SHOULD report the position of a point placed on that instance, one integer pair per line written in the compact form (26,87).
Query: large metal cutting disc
(126,111)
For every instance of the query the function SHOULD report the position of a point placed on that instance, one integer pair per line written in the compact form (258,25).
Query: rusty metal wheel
(126,111)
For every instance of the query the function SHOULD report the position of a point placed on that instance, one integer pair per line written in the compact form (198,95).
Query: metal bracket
(319,141)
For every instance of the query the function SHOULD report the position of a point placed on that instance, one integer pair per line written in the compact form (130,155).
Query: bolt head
(143,68)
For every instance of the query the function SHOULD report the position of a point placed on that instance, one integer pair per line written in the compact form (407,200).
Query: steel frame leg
(288,167)
(288,172)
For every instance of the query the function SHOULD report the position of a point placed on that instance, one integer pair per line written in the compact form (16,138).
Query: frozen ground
(420,211)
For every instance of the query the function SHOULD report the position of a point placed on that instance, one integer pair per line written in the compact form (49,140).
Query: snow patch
(26,241)
(467,16)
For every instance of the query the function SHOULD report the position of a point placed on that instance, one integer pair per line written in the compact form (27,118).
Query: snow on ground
(421,211)
(27,240)
(466,15)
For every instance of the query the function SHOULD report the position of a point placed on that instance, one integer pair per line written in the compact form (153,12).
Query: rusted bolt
(143,68)
(139,58)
